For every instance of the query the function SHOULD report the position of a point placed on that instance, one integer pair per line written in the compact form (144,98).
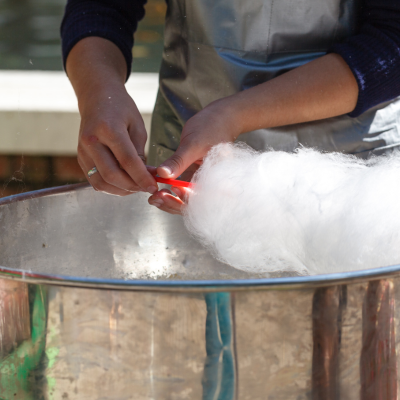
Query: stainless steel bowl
(108,298)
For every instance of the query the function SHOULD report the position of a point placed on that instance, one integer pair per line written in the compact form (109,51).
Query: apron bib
(215,48)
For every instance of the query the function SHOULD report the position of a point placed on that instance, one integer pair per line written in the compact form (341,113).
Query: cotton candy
(304,212)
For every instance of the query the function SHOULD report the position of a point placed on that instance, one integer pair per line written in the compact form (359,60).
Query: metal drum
(108,298)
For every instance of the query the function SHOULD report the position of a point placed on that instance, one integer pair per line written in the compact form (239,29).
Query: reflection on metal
(219,368)
(14,308)
(21,375)
(171,335)
(328,306)
(378,361)
(116,311)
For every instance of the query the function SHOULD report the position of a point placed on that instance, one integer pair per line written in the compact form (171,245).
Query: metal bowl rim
(298,282)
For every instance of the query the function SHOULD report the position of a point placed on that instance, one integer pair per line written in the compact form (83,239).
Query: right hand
(112,138)
(112,134)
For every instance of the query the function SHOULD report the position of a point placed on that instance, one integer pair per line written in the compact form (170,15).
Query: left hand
(215,124)
(322,88)
(166,201)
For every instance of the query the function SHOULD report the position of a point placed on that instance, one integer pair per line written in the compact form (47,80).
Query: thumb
(183,158)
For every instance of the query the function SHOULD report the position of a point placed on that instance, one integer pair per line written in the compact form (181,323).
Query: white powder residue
(306,212)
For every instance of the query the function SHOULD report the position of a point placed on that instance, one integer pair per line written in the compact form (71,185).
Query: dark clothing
(115,20)
(373,53)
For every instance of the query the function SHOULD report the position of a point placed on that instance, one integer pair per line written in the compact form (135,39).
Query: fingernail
(177,191)
(157,203)
(166,169)
(152,189)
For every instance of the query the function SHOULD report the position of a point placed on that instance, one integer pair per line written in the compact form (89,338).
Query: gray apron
(215,48)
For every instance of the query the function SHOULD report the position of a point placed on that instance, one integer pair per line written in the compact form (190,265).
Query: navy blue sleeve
(115,20)
(373,54)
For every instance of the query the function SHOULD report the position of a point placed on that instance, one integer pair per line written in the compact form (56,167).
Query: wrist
(97,69)
(249,116)
(97,95)
(227,111)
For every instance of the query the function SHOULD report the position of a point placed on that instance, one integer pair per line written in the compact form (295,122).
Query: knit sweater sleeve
(115,20)
(373,54)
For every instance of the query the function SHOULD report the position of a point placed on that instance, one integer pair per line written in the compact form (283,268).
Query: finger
(181,192)
(110,170)
(98,182)
(165,201)
(171,210)
(96,179)
(159,196)
(129,160)
(152,170)
(183,158)
(138,135)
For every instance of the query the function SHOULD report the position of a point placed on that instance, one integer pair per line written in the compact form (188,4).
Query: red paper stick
(174,182)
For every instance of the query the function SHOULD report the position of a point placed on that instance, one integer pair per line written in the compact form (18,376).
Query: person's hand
(112,139)
(213,125)
(323,88)
(112,133)
(166,201)
(216,123)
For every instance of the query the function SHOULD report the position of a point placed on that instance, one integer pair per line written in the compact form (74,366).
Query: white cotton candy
(306,212)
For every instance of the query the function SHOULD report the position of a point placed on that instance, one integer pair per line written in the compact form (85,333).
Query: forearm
(320,89)
(112,134)
(95,67)
(115,20)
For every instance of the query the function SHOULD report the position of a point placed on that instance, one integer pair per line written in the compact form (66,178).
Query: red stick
(174,182)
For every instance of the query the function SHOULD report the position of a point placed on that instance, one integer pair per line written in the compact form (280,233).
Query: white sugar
(307,212)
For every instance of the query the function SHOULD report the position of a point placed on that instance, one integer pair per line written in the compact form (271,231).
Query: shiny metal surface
(122,238)
(171,335)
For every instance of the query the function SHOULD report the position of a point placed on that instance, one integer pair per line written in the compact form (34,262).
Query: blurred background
(39,119)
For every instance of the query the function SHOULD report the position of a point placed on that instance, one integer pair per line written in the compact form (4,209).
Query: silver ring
(92,172)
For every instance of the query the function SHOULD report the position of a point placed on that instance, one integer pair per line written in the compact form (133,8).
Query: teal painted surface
(219,367)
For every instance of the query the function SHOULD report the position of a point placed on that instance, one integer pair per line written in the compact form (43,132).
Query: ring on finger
(92,171)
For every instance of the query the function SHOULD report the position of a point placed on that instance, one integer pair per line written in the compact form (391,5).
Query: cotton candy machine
(108,298)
